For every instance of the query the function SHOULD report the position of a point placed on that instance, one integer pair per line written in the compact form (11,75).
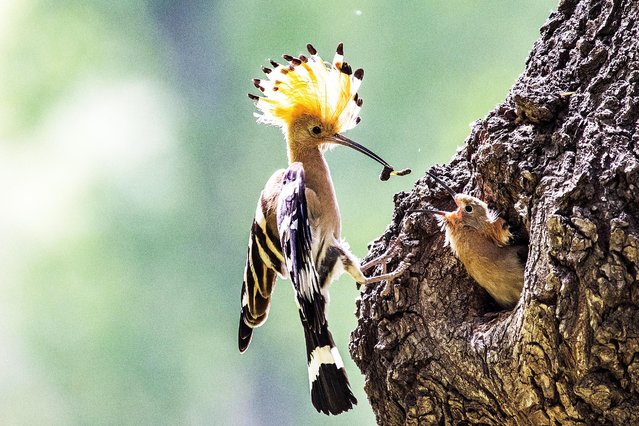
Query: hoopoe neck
(318,178)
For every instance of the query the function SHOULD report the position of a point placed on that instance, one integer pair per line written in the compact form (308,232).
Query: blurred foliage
(130,165)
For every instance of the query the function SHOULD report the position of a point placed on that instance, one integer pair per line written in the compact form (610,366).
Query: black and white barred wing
(263,262)
(296,239)
(330,390)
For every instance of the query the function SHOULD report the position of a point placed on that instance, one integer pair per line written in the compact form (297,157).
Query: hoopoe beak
(432,211)
(388,169)
(451,217)
(446,187)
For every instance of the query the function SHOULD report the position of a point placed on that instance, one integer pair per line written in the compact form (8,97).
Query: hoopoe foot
(383,260)
(389,276)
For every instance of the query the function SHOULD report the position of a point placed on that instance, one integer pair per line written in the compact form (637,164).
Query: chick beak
(446,187)
(388,169)
(444,214)
(453,217)
(447,218)
(437,212)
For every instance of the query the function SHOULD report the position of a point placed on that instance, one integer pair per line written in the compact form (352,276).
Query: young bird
(481,240)
(297,230)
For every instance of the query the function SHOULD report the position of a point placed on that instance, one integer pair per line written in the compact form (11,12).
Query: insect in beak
(388,169)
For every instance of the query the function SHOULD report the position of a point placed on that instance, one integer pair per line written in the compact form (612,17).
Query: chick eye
(316,130)
(469,209)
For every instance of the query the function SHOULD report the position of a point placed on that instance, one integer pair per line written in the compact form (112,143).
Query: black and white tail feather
(330,389)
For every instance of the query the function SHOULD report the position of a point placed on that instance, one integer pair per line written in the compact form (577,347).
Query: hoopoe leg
(383,260)
(389,276)
(351,266)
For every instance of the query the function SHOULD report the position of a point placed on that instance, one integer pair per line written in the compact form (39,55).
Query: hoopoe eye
(316,130)
(469,209)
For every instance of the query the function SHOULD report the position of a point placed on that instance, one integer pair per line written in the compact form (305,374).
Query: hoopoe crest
(307,86)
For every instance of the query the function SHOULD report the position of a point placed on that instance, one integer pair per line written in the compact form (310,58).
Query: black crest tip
(275,64)
(253,97)
(266,70)
(311,49)
(286,57)
(359,74)
(346,69)
(340,49)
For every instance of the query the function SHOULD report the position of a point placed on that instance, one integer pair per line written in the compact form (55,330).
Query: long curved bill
(439,212)
(388,169)
(448,217)
(443,184)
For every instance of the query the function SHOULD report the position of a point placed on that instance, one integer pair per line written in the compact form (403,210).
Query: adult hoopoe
(480,239)
(296,230)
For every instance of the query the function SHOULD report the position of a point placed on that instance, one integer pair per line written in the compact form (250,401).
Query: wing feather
(264,261)
(296,240)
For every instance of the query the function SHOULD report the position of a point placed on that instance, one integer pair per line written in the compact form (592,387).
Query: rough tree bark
(563,169)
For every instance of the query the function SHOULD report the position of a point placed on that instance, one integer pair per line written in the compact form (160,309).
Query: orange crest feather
(309,86)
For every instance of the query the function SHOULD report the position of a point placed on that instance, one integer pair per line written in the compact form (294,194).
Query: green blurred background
(130,165)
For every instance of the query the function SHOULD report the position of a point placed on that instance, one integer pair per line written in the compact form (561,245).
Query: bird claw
(383,260)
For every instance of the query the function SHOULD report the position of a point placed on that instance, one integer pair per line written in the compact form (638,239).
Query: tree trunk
(559,160)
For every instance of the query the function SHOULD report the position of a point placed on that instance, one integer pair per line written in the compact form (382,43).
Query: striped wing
(296,240)
(263,262)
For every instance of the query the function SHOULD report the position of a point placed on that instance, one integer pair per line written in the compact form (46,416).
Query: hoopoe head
(313,102)
(309,99)
(471,213)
